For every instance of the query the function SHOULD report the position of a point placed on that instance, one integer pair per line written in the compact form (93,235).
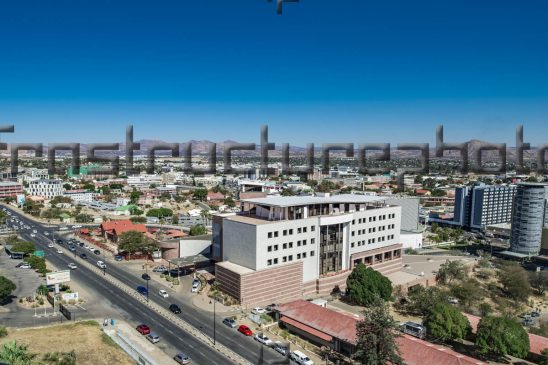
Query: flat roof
(288,201)
(9,183)
(238,269)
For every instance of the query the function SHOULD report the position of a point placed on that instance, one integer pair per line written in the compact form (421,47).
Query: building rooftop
(288,201)
(239,269)
(9,183)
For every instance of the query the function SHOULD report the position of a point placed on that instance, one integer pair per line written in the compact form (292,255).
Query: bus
(413,329)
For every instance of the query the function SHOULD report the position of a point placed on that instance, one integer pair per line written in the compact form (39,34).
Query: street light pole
(214,326)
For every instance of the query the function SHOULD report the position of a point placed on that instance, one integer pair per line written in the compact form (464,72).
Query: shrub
(3,331)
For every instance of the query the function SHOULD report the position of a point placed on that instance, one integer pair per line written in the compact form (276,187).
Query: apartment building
(80,195)
(46,188)
(144,181)
(279,248)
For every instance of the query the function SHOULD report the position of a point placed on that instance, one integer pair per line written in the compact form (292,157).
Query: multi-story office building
(529,218)
(285,247)
(46,188)
(479,206)
(10,188)
(144,181)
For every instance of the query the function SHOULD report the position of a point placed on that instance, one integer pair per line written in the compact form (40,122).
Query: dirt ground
(85,338)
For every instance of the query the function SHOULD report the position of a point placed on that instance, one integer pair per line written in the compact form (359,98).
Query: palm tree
(16,354)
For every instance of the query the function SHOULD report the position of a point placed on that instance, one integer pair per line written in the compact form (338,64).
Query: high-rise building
(481,205)
(528,218)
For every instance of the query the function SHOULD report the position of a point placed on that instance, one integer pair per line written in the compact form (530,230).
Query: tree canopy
(376,337)
(514,281)
(160,212)
(499,336)
(421,300)
(24,246)
(133,242)
(16,354)
(198,230)
(445,322)
(199,194)
(364,285)
(450,271)
(6,288)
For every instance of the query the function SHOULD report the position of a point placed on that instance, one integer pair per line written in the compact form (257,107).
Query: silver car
(153,337)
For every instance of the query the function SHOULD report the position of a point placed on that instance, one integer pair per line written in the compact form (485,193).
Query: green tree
(445,322)
(514,281)
(230,202)
(544,359)
(37,263)
(83,218)
(421,300)
(23,246)
(16,354)
(136,242)
(138,219)
(287,192)
(198,230)
(451,270)
(499,336)
(539,281)
(364,285)
(6,288)
(134,196)
(3,331)
(468,291)
(376,336)
(175,219)
(160,212)
(199,194)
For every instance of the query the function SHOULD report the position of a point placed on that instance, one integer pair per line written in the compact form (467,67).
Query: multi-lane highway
(140,313)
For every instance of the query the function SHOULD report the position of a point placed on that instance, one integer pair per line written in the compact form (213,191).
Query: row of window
(374,219)
(372,240)
(289,232)
(290,245)
(288,258)
(374,229)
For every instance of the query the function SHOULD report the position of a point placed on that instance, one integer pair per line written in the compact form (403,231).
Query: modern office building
(46,188)
(529,218)
(10,188)
(479,206)
(279,248)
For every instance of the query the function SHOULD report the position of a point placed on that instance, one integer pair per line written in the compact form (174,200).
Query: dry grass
(85,338)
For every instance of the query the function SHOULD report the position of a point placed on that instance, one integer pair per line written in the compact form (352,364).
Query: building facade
(10,188)
(528,218)
(46,188)
(322,238)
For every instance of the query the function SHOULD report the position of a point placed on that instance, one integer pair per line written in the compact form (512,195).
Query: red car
(245,330)
(143,329)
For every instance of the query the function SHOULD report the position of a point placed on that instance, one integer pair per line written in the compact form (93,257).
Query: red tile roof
(335,324)
(215,196)
(174,233)
(119,227)
(419,352)
(307,329)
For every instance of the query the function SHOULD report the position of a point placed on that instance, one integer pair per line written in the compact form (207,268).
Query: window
(290,258)
(298,256)
(269,234)
(298,243)
(269,262)
(353,233)
(275,247)
(285,232)
(290,244)
(284,246)
(276,234)
(284,259)
(352,245)
(275,261)
(269,248)
(299,230)
(312,228)
(291,231)
(311,253)
(304,255)
(312,241)
(304,229)
(304,242)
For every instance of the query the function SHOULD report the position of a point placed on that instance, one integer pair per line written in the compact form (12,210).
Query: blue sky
(324,71)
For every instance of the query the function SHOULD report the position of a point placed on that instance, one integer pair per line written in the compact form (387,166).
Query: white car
(163,293)
(258,310)
(32,235)
(195,285)
(34,231)
(72,266)
(59,250)
(101,264)
(263,339)
(24,266)
(46,233)
(86,247)
(50,245)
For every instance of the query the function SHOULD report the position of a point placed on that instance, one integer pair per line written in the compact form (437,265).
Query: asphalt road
(203,320)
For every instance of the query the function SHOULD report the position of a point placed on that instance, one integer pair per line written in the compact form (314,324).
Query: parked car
(59,250)
(143,329)
(230,322)
(72,248)
(195,285)
(159,269)
(181,358)
(142,290)
(118,257)
(59,242)
(72,266)
(163,293)
(245,330)
(81,244)
(153,337)
(300,358)
(175,308)
(281,348)
(101,264)
(263,339)
(84,256)
(258,310)
(145,276)
(97,252)
(24,265)
(50,245)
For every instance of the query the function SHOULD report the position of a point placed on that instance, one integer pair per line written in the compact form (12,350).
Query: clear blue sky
(324,71)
